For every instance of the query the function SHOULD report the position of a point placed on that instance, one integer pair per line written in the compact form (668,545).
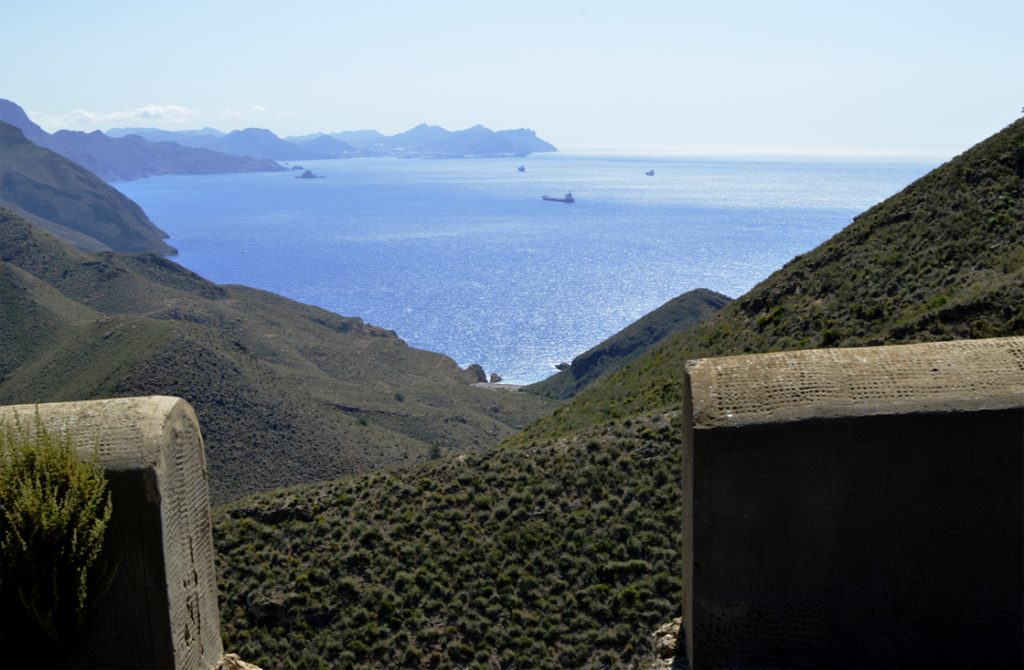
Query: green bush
(54,510)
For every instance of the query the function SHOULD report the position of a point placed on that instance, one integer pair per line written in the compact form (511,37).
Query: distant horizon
(654,151)
(611,149)
(768,153)
(917,77)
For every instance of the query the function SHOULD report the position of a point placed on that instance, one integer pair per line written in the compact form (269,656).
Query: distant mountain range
(131,157)
(122,154)
(254,142)
(423,141)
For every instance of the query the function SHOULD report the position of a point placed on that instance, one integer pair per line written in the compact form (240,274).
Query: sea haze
(464,258)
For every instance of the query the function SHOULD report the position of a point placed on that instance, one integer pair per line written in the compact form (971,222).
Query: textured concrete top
(125,433)
(820,383)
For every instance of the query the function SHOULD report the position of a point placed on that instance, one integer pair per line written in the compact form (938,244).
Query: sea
(464,257)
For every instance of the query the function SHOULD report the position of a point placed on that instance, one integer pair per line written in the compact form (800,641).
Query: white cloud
(148,114)
(252,110)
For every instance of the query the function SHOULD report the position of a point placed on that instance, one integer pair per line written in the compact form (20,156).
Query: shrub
(54,510)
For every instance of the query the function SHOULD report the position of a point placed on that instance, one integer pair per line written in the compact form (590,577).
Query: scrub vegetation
(54,509)
(556,555)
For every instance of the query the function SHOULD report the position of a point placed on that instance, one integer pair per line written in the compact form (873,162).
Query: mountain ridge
(130,157)
(423,140)
(69,197)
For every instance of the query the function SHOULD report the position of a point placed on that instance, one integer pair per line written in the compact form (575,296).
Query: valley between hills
(377,510)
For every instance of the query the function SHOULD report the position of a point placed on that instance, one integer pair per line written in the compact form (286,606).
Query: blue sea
(463,257)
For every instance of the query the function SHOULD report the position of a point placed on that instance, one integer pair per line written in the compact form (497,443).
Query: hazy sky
(925,77)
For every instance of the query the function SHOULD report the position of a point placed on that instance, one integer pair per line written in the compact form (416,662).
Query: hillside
(252,142)
(561,548)
(286,393)
(326,146)
(262,143)
(941,260)
(358,137)
(551,557)
(676,315)
(50,187)
(189,138)
(481,141)
(130,157)
(14,115)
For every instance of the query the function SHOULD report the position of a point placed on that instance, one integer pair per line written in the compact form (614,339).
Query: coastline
(499,386)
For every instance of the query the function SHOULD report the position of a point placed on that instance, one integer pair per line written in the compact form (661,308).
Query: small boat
(309,174)
(649,173)
(521,168)
(566,198)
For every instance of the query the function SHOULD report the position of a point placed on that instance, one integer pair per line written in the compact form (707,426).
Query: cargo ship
(565,198)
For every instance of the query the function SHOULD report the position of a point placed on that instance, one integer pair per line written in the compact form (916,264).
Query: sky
(913,77)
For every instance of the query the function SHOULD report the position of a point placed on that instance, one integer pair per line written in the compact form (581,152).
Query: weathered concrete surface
(161,609)
(856,507)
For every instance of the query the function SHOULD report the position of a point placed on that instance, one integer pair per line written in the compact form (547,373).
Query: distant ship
(649,173)
(566,198)
(309,174)
(521,168)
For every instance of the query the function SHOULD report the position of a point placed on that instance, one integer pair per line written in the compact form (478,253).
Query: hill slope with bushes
(678,314)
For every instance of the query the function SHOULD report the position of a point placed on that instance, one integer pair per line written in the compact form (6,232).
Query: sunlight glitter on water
(463,257)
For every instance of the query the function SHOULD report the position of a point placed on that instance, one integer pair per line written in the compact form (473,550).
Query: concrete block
(161,609)
(854,508)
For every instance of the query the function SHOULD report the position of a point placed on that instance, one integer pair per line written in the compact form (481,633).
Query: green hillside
(561,548)
(286,393)
(563,555)
(678,314)
(941,260)
(51,187)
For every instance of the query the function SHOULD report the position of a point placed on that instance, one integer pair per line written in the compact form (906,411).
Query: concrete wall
(856,508)
(161,609)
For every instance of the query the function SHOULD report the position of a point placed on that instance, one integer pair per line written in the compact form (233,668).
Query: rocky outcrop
(668,649)
(233,662)
(476,375)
